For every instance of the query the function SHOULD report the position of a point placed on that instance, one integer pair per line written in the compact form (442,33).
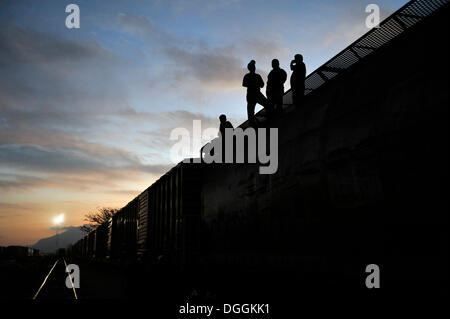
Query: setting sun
(58,219)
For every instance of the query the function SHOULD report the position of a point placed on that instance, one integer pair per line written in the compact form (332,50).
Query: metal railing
(398,22)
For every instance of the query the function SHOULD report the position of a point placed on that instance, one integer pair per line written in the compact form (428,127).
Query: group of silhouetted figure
(275,87)
(273,103)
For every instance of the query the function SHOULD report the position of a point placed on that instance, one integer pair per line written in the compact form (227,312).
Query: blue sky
(86,114)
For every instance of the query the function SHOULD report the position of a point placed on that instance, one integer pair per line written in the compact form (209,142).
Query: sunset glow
(58,220)
(86,114)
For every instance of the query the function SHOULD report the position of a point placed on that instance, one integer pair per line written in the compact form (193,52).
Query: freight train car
(169,216)
(121,242)
(91,244)
(356,179)
(101,241)
(18,252)
(75,249)
(79,248)
(34,252)
(85,246)
(109,239)
(161,224)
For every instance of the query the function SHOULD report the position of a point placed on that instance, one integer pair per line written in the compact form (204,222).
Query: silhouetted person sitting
(275,85)
(298,79)
(224,124)
(253,82)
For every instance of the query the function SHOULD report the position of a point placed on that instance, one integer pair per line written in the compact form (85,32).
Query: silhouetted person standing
(298,79)
(275,85)
(253,82)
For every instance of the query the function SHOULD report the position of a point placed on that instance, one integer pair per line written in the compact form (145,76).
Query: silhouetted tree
(94,219)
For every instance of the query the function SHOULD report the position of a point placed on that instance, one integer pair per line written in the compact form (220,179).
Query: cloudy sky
(86,114)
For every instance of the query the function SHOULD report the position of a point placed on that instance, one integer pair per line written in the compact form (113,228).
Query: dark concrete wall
(361,176)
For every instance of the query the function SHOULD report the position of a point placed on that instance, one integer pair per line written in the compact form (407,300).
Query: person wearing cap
(253,82)
(298,79)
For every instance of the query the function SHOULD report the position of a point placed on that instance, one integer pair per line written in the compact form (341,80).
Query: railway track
(54,284)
